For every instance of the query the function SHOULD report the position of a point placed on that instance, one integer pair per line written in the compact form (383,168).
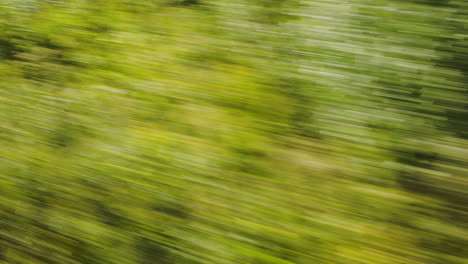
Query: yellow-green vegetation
(234,131)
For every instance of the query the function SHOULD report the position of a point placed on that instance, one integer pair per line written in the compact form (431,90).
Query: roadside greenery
(240,131)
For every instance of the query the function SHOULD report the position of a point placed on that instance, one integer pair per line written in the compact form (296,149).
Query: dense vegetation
(234,131)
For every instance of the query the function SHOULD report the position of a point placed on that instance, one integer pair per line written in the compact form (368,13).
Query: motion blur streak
(234,131)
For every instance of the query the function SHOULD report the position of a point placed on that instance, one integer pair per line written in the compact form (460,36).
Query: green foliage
(245,131)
